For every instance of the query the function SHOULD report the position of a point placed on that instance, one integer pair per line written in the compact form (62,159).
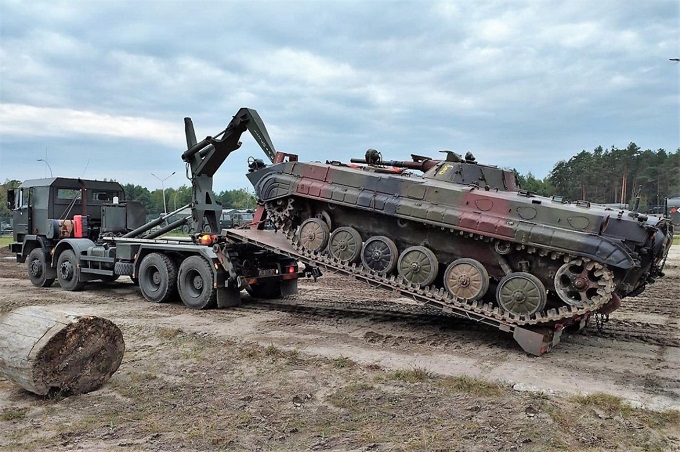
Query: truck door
(22,212)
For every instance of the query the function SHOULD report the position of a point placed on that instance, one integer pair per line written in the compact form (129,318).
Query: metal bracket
(537,342)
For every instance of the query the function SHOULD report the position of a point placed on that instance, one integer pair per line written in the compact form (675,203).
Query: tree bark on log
(43,348)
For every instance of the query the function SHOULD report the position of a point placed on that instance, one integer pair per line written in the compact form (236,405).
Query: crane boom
(204,158)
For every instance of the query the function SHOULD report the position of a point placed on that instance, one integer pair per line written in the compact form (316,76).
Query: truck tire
(157,277)
(195,283)
(266,290)
(68,273)
(36,264)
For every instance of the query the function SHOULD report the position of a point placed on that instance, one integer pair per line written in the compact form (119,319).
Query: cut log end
(81,357)
(43,349)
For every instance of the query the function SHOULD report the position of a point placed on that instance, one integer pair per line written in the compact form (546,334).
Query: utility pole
(165,207)
(48,165)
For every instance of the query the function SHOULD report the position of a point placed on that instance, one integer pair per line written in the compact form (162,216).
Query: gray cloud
(521,84)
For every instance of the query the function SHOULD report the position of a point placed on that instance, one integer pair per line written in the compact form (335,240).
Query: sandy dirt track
(636,357)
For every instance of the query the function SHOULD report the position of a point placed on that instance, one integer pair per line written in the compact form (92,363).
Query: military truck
(77,231)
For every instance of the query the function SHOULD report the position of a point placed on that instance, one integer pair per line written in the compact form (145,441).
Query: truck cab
(36,201)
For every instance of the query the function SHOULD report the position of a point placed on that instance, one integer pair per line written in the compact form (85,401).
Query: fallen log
(43,348)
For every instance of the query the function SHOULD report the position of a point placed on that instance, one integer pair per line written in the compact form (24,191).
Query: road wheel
(313,235)
(38,268)
(521,294)
(466,278)
(157,277)
(196,283)
(379,254)
(345,244)
(68,273)
(418,265)
(266,290)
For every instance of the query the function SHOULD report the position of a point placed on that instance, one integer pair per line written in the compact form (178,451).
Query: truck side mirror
(10,199)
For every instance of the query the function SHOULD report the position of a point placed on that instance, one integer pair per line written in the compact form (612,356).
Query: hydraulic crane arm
(204,158)
(208,155)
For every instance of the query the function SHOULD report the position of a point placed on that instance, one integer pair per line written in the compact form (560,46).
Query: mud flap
(537,342)
(289,287)
(228,297)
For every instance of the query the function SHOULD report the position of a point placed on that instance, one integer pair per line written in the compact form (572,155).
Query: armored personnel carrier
(466,233)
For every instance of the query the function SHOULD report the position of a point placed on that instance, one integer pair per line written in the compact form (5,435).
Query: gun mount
(454,168)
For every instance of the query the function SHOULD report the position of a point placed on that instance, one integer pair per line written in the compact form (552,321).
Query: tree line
(612,176)
(175,198)
(607,176)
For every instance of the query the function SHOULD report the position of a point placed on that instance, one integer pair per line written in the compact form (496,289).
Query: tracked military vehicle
(465,234)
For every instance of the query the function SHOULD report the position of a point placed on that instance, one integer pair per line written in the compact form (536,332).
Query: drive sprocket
(583,283)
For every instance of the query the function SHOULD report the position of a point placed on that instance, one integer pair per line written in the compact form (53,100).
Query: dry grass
(616,406)
(414,375)
(473,386)
(343,362)
(242,396)
(13,413)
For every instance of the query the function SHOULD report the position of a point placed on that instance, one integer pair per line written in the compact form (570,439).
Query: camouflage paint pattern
(460,209)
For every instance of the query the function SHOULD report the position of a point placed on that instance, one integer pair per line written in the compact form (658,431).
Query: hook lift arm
(204,158)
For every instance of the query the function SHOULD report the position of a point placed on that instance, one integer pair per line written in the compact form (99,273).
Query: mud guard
(228,297)
(289,287)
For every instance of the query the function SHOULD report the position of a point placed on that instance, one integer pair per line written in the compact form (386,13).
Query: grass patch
(168,333)
(415,375)
(5,241)
(610,403)
(676,240)
(343,362)
(350,397)
(616,406)
(275,353)
(471,385)
(12,414)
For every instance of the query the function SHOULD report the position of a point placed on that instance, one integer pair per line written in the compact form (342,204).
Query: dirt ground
(343,366)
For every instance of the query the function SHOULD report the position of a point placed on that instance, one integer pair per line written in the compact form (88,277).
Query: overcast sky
(100,88)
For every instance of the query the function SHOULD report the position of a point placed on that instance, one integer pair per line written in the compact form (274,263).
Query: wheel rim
(194,283)
(197,283)
(345,244)
(521,294)
(466,278)
(36,268)
(418,265)
(379,255)
(313,235)
(155,278)
(66,271)
(580,283)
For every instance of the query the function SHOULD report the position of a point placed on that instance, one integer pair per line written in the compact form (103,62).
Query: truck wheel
(157,277)
(195,283)
(265,290)
(68,273)
(37,268)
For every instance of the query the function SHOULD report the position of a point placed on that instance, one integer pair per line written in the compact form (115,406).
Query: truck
(79,231)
